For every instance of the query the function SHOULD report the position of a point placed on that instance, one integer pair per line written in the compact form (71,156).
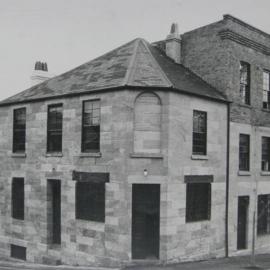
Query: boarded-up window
(90,201)
(19,125)
(263,219)
(147,126)
(18,198)
(18,252)
(198,202)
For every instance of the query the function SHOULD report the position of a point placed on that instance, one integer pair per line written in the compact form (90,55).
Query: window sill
(146,155)
(244,173)
(245,105)
(56,154)
(266,110)
(93,154)
(199,157)
(18,155)
(265,173)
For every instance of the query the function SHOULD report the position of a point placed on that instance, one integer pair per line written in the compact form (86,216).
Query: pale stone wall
(109,243)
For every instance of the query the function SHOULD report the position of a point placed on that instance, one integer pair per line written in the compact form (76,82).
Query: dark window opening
(19,130)
(18,198)
(244,152)
(198,202)
(266,89)
(18,252)
(266,154)
(90,201)
(245,82)
(91,126)
(263,218)
(199,133)
(55,122)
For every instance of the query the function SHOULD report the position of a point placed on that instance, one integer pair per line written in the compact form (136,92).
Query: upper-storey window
(199,133)
(19,125)
(265,153)
(244,152)
(147,124)
(245,82)
(54,132)
(266,89)
(91,126)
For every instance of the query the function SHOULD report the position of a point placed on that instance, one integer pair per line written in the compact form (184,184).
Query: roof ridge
(130,69)
(156,62)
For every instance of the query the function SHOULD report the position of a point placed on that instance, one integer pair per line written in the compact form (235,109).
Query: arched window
(147,124)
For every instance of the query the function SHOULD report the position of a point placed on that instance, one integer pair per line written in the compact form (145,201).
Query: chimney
(173,44)
(40,73)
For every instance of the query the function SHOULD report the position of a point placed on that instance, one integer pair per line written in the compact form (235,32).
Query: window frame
(247,168)
(204,152)
(18,130)
(265,158)
(245,99)
(17,203)
(93,213)
(192,205)
(266,104)
(83,127)
(55,105)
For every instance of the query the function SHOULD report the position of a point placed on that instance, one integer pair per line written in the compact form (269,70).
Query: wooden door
(242,224)
(145,221)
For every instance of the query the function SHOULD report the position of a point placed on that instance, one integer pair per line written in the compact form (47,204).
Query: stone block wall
(109,243)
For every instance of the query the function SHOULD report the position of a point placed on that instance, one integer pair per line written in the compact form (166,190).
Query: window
(263,219)
(90,201)
(91,126)
(18,252)
(245,82)
(265,153)
(18,198)
(147,124)
(55,119)
(266,89)
(198,202)
(244,152)
(199,133)
(19,125)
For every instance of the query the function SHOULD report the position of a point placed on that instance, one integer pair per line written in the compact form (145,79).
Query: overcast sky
(67,33)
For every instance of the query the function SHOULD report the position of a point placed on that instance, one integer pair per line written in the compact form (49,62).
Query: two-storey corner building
(120,159)
(234,57)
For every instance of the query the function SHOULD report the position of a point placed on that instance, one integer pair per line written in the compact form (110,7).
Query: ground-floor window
(90,201)
(198,202)
(263,218)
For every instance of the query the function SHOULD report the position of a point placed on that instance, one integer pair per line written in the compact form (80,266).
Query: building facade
(120,160)
(234,57)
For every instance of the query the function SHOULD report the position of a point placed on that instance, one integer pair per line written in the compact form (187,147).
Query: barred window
(199,132)
(245,82)
(198,202)
(54,131)
(91,126)
(244,152)
(266,89)
(19,130)
(18,198)
(263,219)
(90,201)
(265,153)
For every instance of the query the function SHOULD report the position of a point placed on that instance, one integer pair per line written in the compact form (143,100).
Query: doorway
(54,211)
(145,221)
(242,224)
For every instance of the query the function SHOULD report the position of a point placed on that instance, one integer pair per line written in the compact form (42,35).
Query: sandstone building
(149,152)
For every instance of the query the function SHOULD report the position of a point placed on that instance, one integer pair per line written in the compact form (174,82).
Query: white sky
(67,33)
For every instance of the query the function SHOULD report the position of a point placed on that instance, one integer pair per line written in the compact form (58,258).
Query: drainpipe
(227,184)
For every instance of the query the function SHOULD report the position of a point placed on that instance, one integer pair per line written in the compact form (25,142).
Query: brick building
(118,160)
(234,57)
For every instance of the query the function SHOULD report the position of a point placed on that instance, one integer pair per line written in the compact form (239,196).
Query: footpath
(262,262)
